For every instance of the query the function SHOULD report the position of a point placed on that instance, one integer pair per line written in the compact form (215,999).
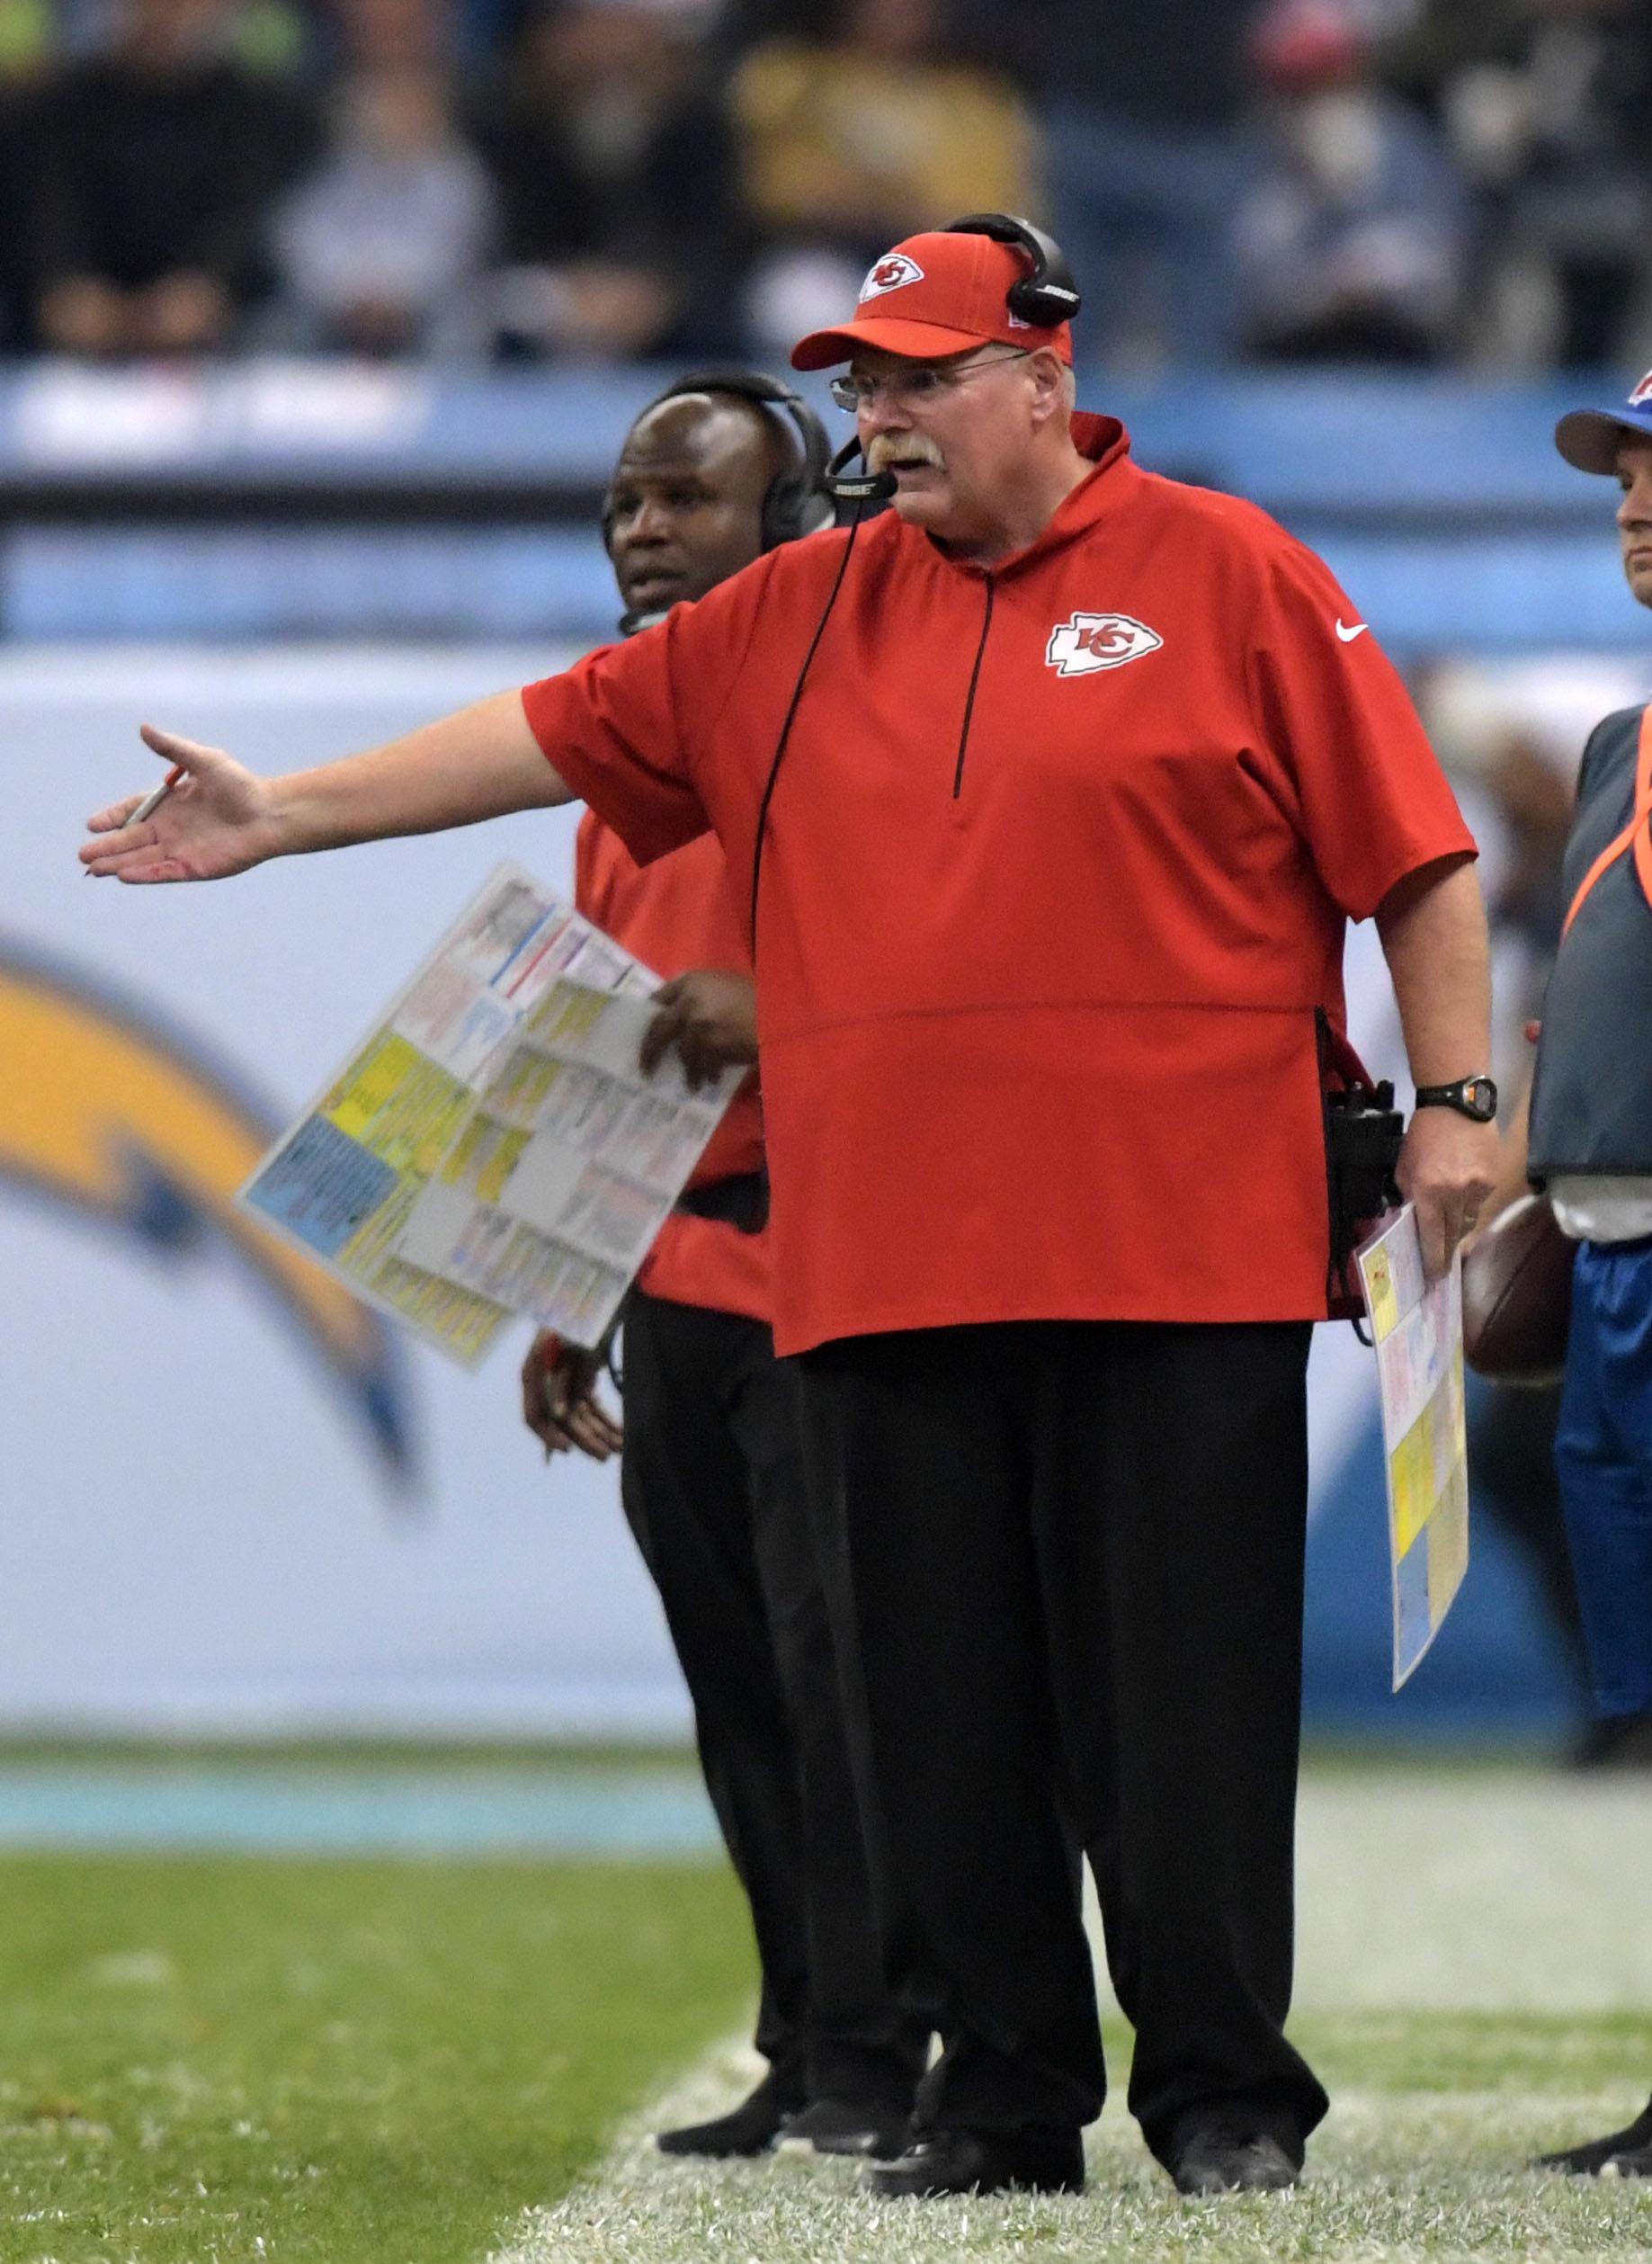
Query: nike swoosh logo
(1348,635)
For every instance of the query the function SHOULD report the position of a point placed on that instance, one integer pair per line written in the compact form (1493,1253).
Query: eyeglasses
(920,386)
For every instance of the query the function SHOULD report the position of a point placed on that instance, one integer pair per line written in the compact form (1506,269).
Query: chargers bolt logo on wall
(119,1119)
(1089,642)
(891,271)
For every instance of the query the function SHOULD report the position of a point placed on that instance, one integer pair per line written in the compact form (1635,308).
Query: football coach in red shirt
(1055,786)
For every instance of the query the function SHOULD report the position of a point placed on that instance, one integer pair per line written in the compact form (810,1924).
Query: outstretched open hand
(217,821)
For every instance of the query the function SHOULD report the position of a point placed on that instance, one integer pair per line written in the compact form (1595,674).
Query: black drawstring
(785,729)
(974,678)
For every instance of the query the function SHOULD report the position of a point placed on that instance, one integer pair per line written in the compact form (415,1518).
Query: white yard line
(1391,2179)
(1478,1892)
(1421,1895)
(1484,1892)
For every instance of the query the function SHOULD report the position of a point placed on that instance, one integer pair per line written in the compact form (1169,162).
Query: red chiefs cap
(933,295)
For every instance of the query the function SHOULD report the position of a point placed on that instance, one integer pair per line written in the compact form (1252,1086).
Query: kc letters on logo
(1089,642)
(891,271)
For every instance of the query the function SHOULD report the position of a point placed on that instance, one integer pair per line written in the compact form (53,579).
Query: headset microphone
(863,487)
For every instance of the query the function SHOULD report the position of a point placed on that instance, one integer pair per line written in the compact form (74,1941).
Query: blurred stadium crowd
(1458,183)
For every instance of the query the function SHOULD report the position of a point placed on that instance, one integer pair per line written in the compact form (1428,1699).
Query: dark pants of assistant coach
(1066,1559)
(712,1483)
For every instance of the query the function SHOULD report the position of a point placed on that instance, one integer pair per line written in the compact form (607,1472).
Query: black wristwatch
(1475,1097)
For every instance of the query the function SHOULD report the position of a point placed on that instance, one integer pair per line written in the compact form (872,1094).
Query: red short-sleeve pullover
(1055,879)
(674,915)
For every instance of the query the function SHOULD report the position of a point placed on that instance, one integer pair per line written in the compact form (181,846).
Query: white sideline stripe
(1423,1896)
(1394,2178)
(1474,1893)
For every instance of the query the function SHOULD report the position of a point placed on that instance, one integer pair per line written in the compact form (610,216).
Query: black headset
(796,501)
(1045,297)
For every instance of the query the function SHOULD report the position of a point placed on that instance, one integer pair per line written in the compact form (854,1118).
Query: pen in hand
(151,801)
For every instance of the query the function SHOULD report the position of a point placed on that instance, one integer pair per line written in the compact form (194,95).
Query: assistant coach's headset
(1045,297)
(797,501)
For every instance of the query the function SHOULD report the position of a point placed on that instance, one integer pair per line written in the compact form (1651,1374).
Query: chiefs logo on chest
(1088,642)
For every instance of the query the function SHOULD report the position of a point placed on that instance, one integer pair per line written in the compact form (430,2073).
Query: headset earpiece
(783,501)
(1045,296)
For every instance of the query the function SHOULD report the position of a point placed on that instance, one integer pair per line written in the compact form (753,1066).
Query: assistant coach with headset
(724,465)
(1057,785)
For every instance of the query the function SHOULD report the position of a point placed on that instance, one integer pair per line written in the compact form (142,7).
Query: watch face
(1481,1095)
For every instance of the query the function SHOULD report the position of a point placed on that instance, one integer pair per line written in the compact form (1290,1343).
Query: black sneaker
(835,2127)
(942,2161)
(1619,2153)
(750,2128)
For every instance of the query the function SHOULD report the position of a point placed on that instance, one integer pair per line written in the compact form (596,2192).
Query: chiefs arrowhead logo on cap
(1643,392)
(1088,642)
(930,295)
(889,273)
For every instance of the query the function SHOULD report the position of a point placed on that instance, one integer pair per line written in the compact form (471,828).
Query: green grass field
(218,2061)
(222,2061)
(1420,2163)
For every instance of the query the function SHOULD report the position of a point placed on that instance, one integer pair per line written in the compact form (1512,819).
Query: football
(1517,1297)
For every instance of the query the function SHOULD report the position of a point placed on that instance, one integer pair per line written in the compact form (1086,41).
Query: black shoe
(1215,2162)
(835,2127)
(752,2128)
(1600,2153)
(972,2161)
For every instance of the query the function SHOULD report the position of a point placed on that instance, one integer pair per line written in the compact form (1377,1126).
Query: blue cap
(1590,438)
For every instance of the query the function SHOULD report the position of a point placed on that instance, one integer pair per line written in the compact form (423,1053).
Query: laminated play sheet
(492,1148)
(1417,1328)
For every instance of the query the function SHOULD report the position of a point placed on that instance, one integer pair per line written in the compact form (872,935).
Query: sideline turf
(213,2061)
(1399,2175)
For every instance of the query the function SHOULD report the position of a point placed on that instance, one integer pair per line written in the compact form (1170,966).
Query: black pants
(713,1481)
(1066,1562)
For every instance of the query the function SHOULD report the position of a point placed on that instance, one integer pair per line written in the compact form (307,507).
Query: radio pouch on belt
(1362,1134)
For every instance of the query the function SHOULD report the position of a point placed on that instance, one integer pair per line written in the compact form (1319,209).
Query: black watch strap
(1473,1097)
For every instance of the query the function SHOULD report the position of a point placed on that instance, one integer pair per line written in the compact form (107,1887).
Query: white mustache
(912,448)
